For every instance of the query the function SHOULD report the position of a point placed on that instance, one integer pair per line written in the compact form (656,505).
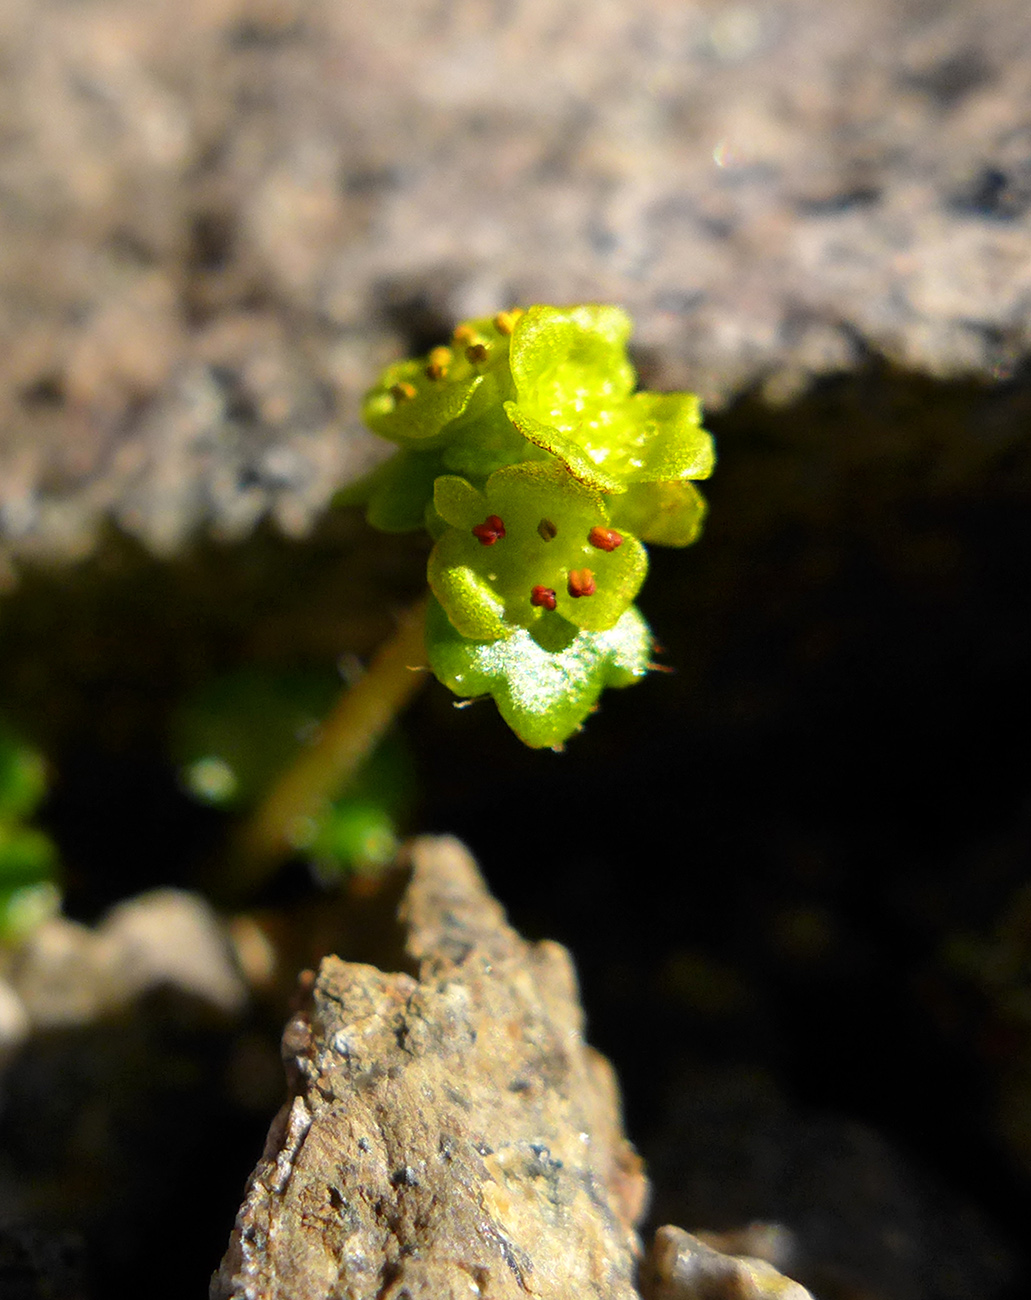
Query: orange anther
(402,392)
(581,583)
(504,321)
(605,539)
(439,361)
(543,597)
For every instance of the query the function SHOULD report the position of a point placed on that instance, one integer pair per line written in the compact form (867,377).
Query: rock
(66,973)
(680,1267)
(449,1134)
(216,224)
(14,1021)
(171,937)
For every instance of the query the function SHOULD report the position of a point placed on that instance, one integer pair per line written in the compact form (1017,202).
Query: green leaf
(234,733)
(353,833)
(543,694)
(27,856)
(400,490)
(22,777)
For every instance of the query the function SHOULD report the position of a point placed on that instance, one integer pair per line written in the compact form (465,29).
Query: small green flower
(539,472)
(574,400)
(423,403)
(543,692)
(446,410)
(534,545)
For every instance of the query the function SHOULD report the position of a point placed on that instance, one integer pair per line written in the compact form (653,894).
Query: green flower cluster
(540,473)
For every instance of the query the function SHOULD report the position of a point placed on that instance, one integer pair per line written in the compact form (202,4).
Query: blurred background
(799,901)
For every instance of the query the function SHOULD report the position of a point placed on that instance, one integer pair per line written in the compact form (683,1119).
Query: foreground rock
(447,1135)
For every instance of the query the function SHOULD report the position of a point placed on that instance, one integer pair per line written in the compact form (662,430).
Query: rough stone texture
(217,219)
(680,1267)
(447,1136)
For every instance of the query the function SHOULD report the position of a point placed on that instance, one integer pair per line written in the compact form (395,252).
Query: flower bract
(486,577)
(543,694)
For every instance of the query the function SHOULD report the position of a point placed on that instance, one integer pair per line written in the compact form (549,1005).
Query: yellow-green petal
(668,514)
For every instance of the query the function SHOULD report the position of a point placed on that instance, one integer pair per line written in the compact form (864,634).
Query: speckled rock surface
(217,220)
(447,1136)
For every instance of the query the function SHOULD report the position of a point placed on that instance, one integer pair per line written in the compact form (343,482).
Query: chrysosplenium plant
(540,474)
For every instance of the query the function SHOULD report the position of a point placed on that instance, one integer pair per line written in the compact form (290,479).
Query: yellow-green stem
(345,740)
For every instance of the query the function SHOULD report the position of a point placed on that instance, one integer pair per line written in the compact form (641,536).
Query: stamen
(464,335)
(605,539)
(581,583)
(489,531)
(439,362)
(543,597)
(402,392)
(476,353)
(504,321)
(547,530)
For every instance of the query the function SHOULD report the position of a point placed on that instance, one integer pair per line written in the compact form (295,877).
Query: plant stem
(346,738)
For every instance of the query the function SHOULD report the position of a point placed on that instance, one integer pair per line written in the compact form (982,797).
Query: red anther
(543,597)
(605,539)
(581,583)
(489,531)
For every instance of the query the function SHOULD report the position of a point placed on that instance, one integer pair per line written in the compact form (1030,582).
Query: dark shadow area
(786,861)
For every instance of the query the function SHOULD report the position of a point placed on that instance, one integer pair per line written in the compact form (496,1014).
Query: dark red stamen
(581,583)
(605,539)
(489,531)
(543,597)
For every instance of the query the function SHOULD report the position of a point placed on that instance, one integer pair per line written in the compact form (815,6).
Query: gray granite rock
(218,220)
